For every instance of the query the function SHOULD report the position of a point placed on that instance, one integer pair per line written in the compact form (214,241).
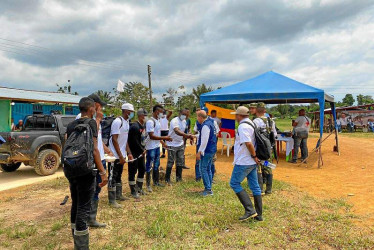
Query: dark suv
(38,144)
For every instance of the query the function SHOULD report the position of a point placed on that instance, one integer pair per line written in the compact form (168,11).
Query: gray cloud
(186,42)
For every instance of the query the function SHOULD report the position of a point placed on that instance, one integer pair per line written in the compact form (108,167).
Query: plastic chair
(226,141)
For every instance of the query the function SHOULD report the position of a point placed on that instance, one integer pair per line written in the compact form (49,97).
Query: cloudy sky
(325,43)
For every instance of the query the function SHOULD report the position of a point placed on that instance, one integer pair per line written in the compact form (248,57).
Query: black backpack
(263,144)
(77,154)
(106,127)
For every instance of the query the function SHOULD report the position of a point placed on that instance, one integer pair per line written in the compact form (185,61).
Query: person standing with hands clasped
(245,166)
(120,148)
(207,142)
(80,156)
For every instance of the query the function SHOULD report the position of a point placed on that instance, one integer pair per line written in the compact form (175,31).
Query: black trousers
(164,133)
(82,190)
(117,169)
(137,166)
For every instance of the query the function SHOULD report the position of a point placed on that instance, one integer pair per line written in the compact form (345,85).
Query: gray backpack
(77,154)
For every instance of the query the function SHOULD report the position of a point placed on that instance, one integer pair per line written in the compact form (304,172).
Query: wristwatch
(102,173)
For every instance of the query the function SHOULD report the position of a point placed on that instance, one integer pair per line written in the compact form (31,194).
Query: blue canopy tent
(273,88)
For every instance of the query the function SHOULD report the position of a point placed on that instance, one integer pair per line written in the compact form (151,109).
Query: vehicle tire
(10,167)
(47,162)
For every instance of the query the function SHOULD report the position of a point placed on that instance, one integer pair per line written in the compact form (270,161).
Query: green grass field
(178,217)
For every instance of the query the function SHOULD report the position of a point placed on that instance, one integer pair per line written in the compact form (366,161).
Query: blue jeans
(213,169)
(153,156)
(206,170)
(98,180)
(239,173)
(197,168)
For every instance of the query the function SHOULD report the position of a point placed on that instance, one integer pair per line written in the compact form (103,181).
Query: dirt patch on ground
(349,176)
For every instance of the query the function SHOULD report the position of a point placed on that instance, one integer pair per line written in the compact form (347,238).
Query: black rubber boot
(81,240)
(148,181)
(269,183)
(134,192)
(119,195)
(247,204)
(260,181)
(258,206)
(156,179)
(112,198)
(92,222)
(167,175)
(140,188)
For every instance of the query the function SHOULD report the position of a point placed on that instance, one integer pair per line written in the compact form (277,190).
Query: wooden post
(150,88)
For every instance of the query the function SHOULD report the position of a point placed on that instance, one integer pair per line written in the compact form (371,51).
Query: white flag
(120,86)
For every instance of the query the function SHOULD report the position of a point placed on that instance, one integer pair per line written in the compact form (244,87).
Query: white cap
(128,106)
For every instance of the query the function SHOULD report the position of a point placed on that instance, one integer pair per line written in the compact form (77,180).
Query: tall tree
(201,89)
(105,96)
(348,100)
(364,99)
(282,109)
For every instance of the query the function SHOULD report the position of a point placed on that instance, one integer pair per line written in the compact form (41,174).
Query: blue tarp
(270,88)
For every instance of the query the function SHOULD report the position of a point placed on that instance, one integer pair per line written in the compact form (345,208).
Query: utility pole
(150,88)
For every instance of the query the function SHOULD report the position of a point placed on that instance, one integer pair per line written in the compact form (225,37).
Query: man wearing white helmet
(120,148)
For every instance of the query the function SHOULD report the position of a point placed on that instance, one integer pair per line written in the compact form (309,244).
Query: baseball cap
(127,106)
(253,105)
(241,110)
(96,98)
(142,111)
(260,105)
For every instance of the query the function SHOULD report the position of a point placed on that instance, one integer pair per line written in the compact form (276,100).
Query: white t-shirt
(303,124)
(343,121)
(152,125)
(123,133)
(245,133)
(217,120)
(177,139)
(164,122)
(100,145)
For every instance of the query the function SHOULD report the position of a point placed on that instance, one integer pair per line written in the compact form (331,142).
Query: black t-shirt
(136,139)
(72,125)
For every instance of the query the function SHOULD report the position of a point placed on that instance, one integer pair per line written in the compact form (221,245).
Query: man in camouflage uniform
(266,123)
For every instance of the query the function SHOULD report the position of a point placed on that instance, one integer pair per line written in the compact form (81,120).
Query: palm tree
(105,96)
(201,89)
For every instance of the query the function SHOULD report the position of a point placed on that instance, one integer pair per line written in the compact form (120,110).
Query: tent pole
(333,110)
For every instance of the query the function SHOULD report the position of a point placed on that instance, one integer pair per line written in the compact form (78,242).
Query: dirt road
(25,175)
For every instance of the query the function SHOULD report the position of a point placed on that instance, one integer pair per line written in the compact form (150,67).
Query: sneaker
(149,189)
(206,193)
(142,192)
(293,161)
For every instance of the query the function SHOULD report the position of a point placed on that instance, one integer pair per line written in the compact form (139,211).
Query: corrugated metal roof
(37,96)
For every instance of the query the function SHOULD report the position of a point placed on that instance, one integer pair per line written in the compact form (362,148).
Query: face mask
(160,115)
(183,117)
(131,115)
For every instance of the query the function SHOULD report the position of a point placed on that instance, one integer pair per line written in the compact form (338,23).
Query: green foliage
(348,100)
(65,89)
(364,99)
